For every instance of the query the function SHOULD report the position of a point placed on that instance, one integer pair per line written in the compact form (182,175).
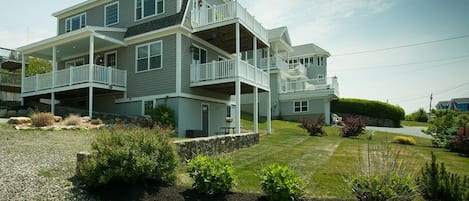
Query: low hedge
(374,109)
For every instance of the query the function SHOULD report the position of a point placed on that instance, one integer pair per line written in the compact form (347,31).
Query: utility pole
(430,109)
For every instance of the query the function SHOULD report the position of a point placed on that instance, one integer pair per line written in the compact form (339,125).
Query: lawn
(324,162)
(415,123)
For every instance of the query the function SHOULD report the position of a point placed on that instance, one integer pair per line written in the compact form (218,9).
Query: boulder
(57,119)
(19,120)
(85,119)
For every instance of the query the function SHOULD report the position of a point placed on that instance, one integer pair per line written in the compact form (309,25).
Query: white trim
(73,87)
(173,95)
(301,106)
(105,14)
(148,56)
(70,19)
(105,58)
(143,10)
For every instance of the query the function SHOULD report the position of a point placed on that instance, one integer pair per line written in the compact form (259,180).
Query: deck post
(91,62)
(269,97)
(90,103)
(52,103)
(238,81)
(327,111)
(54,66)
(23,74)
(255,108)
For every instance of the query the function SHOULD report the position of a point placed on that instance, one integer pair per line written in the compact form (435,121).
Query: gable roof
(279,34)
(443,104)
(308,49)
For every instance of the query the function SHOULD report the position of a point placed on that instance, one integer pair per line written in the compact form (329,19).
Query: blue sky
(402,76)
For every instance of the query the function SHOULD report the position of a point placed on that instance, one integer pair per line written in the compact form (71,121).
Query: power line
(401,46)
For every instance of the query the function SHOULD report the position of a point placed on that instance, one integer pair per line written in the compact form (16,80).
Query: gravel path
(412,131)
(39,165)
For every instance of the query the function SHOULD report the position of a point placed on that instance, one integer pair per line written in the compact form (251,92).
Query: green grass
(325,162)
(414,123)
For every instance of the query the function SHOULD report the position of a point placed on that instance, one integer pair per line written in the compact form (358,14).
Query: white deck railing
(228,11)
(76,75)
(10,79)
(310,85)
(219,70)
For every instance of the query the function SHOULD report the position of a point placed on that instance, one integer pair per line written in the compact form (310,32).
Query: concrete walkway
(412,131)
(3,120)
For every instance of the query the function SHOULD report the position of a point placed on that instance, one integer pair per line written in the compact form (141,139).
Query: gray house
(299,84)
(127,56)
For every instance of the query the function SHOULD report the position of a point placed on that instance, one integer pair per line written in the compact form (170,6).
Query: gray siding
(153,82)
(315,107)
(95,16)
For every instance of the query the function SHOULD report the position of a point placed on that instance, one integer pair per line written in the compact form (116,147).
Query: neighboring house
(127,56)
(460,104)
(10,79)
(299,84)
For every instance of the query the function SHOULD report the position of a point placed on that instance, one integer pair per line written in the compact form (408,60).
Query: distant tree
(38,66)
(419,115)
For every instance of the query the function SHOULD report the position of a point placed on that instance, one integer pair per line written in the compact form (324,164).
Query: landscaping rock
(57,119)
(85,119)
(19,120)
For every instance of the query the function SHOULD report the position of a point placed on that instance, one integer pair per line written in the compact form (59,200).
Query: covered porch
(69,79)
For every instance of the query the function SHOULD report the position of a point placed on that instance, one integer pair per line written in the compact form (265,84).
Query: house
(10,79)
(460,104)
(128,56)
(299,84)
(442,105)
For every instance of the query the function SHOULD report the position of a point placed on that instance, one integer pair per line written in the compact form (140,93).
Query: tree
(419,115)
(38,66)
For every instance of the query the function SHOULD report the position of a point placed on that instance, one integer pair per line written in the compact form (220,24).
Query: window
(74,63)
(149,56)
(228,111)
(75,22)
(300,106)
(199,56)
(320,76)
(148,8)
(322,61)
(148,107)
(110,59)
(111,14)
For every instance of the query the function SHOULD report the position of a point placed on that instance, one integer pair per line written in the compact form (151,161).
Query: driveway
(413,131)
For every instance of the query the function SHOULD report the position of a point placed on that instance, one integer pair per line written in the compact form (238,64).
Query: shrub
(460,142)
(404,140)
(145,122)
(353,126)
(280,183)
(444,127)
(42,119)
(436,183)
(375,109)
(211,176)
(96,121)
(163,116)
(314,128)
(383,176)
(419,115)
(129,156)
(72,120)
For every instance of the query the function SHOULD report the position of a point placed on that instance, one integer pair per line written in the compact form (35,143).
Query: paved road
(413,131)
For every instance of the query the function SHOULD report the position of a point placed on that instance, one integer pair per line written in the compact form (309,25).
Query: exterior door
(110,59)
(205,117)
(199,56)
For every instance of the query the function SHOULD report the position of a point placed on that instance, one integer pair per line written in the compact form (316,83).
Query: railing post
(214,65)
(109,69)
(70,71)
(37,82)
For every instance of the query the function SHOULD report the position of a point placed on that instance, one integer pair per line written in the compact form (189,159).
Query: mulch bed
(171,193)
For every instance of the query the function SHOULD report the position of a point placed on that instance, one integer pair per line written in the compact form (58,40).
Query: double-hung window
(300,106)
(147,107)
(148,8)
(75,22)
(111,14)
(149,56)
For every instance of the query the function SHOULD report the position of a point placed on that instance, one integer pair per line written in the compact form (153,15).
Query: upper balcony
(221,73)
(10,79)
(216,24)
(312,87)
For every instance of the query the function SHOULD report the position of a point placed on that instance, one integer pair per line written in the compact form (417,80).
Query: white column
(90,103)
(327,111)
(255,108)
(23,74)
(54,66)
(238,82)
(52,103)
(91,58)
(269,99)
(254,49)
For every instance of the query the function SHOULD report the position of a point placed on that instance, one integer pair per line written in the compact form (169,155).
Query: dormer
(313,58)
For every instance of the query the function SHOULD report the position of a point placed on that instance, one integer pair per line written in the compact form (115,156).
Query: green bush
(353,126)
(436,183)
(280,183)
(211,176)
(375,109)
(42,119)
(163,116)
(420,116)
(444,127)
(129,156)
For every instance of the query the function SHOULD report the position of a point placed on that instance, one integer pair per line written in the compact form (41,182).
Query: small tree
(163,116)
(354,126)
(460,142)
(314,128)
(419,115)
(38,66)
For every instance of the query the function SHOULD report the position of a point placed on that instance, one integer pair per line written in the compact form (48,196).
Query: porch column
(23,74)
(52,103)
(327,111)
(238,82)
(91,58)
(254,50)
(269,98)
(90,103)
(255,108)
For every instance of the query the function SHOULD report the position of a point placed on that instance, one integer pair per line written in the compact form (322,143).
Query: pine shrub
(404,140)
(280,183)
(72,120)
(42,119)
(314,128)
(211,176)
(353,126)
(130,156)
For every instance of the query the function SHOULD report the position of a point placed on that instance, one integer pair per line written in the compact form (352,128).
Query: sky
(395,51)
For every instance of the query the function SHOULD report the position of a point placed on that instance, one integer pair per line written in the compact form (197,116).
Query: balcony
(312,87)
(220,72)
(76,77)
(10,79)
